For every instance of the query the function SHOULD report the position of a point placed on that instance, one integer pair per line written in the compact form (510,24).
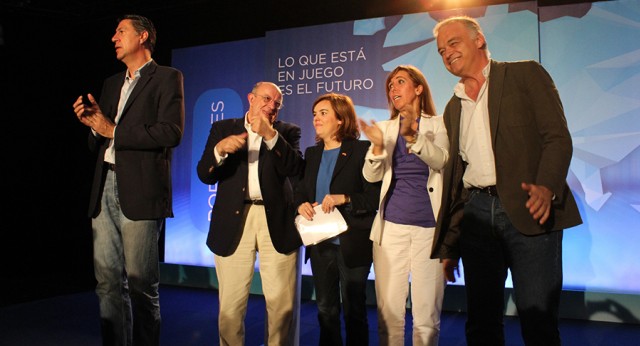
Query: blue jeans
(489,246)
(125,258)
(333,280)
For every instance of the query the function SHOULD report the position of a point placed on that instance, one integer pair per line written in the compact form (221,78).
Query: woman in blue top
(407,153)
(333,178)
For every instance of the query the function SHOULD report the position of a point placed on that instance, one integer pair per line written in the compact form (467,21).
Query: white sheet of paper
(322,227)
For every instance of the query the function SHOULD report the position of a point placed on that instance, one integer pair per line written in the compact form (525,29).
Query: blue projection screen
(591,50)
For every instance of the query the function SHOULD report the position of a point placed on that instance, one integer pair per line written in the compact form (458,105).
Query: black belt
(489,190)
(111,166)
(254,201)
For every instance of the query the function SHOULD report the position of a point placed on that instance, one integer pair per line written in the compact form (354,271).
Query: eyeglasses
(269,99)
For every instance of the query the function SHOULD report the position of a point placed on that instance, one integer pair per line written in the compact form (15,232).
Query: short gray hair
(470,23)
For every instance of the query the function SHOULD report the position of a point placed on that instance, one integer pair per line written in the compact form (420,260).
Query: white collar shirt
(125,92)
(475,136)
(253,145)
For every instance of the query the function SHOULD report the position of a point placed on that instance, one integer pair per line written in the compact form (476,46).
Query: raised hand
(374,134)
(92,116)
(231,144)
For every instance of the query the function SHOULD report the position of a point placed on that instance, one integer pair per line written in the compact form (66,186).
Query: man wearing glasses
(252,159)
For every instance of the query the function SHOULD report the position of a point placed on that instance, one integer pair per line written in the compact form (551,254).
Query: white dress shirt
(253,141)
(475,136)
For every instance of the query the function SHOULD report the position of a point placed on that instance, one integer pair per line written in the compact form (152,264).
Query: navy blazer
(275,169)
(355,245)
(152,123)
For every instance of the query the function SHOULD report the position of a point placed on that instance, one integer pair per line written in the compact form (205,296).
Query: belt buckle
(491,191)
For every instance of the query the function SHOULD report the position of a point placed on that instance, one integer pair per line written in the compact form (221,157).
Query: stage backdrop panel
(217,79)
(593,54)
(589,49)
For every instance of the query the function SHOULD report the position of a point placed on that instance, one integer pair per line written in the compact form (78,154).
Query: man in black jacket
(252,158)
(138,120)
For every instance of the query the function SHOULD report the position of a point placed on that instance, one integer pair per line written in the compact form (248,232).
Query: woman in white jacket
(407,153)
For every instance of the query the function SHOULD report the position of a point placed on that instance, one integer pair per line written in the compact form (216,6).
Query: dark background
(51,52)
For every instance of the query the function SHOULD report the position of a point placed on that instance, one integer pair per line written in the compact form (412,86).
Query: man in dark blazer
(138,120)
(506,199)
(252,160)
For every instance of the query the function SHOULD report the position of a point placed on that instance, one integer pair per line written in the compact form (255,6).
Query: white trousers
(280,285)
(402,264)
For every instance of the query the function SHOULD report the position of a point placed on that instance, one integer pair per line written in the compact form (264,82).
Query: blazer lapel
(313,166)
(496,84)
(391,135)
(346,149)
(111,107)
(263,146)
(145,76)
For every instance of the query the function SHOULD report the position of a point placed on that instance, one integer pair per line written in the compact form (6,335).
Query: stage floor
(189,318)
